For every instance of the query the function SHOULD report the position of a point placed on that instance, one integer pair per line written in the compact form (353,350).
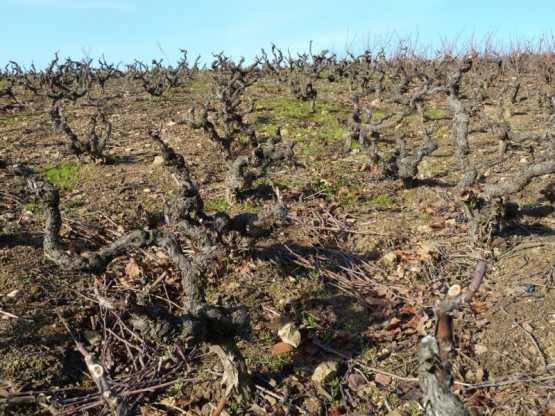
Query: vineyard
(309,234)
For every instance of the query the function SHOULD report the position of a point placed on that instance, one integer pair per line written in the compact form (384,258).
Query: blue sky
(124,30)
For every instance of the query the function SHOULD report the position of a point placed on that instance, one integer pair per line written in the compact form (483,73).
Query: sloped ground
(357,271)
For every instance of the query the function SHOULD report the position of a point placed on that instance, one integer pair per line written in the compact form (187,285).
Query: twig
(367,368)
(11,315)
(511,379)
(525,246)
(277,396)
(540,352)
(220,407)
(117,405)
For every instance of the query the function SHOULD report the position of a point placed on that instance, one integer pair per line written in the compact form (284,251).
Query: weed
(268,338)
(310,323)
(394,399)
(530,206)
(176,388)
(263,126)
(285,182)
(210,294)
(434,113)
(34,207)
(289,108)
(11,121)
(376,392)
(257,357)
(68,205)
(217,206)
(377,114)
(63,175)
(382,199)
(334,389)
(415,409)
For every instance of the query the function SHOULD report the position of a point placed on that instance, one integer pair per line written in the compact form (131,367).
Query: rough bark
(116,404)
(201,322)
(503,132)
(486,209)
(93,144)
(405,164)
(186,203)
(245,169)
(435,352)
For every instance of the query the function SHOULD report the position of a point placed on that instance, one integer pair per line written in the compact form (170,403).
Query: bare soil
(372,319)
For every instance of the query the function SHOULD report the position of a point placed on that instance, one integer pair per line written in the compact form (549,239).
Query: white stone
(325,371)
(158,160)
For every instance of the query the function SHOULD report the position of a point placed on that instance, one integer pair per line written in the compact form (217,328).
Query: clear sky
(125,30)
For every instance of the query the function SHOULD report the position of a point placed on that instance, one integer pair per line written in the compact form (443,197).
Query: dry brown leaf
(372,301)
(231,286)
(425,229)
(337,410)
(477,399)
(479,307)
(398,412)
(412,323)
(550,409)
(408,309)
(499,242)
(132,269)
(502,397)
(282,348)
(381,290)
(403,290)
(424,323)
(481,323)
(382,379)
(356,382)
(392,324)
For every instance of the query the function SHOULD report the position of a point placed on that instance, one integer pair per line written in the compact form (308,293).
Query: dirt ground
(408,246)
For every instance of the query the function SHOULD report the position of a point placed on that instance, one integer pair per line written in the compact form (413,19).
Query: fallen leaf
(479,307)
(481,323)
(132,269)
(356,382)
(413,323)
(231,286)
(425,229)
(550,409)
(337,410)
(477,399)
(392,324)
(408,309)
(382,379)
(282,348)
(398,412)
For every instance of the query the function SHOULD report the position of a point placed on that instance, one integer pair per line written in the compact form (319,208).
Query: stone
(158,161)
(325,371)
(15,294)
(390,258)
(290,334)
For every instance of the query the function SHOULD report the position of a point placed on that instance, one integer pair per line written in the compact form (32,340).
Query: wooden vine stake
(436,352)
